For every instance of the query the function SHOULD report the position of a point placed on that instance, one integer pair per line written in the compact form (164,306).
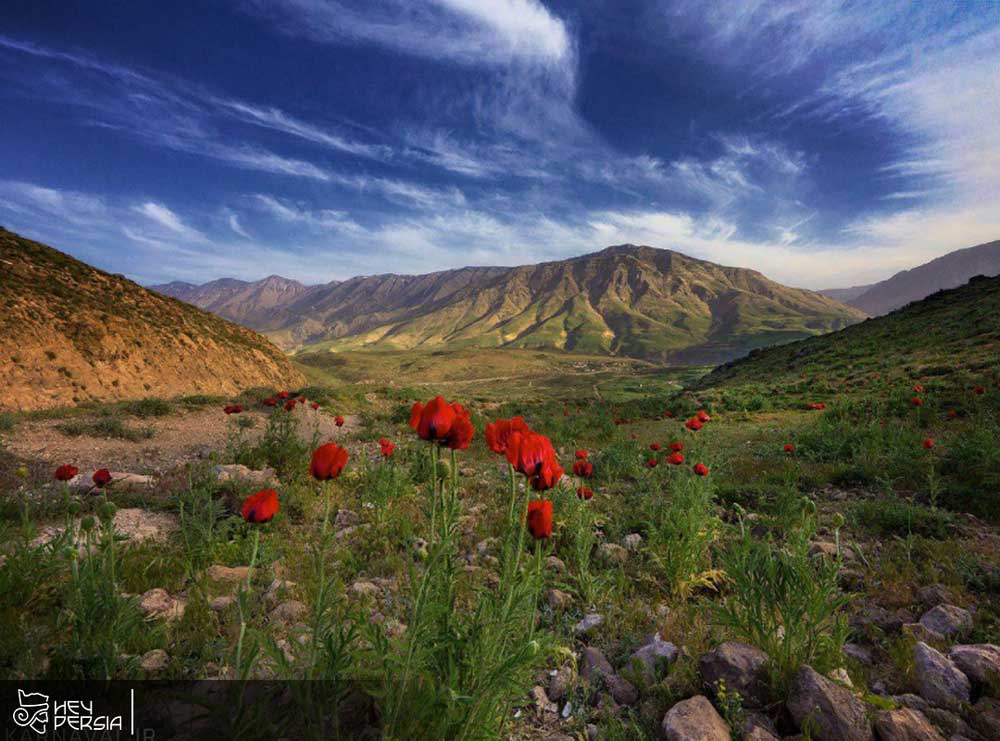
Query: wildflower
(386,448)
(917,388)
(652,463)
(272,402)
(694,424)
(583,469)
(66,472)
(676,447)
(928,443)
(675,459)
(462,430)
(917,401)
(339,421)
(703,416)
(582,455)
(260,507)
(952,414)
(327,462)
(539,520)
(668,414)
(584,493)
(635,436)
(315,405)
(565,412)
(282,395)
(655,447)
(978,390)
(101,477)
(701,469)
(290,405)
(532,454)
(789,448)
(817,405)
(498,433)
(233,409)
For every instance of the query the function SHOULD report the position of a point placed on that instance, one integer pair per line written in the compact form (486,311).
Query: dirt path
(177,438)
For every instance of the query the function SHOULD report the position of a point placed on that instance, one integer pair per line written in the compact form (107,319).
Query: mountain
(844,295)
(948,271)
(71,333)
(627,300)
(951,334)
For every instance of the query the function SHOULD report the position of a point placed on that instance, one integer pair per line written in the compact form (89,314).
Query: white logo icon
(34,711)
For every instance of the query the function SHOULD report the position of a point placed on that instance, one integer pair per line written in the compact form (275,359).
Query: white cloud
(162,215)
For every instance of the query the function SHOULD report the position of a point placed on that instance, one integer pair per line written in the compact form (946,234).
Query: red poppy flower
(618,420)
(565,412)
(387,449)
(917,401)
(432,421)
(290,405)
(584,493)
(301,400)
(462,431)
(260,507)
(655,447)
(676,447)
(628,420)
(232,409)
(952,414)
(701,469)
(339,421)
(102,477)
(694,424)
(282,395)
(533,455)
(652,462)
(703,416)
(978,390)
(315,405)
(668,414)
(918,388)
(498,433)
(583,469)
(789,448)
(928,443)
(635,436)
(675,459)
(383,441)
(582,455)
(66,472)
(328,461)
(272,402)
(539,520)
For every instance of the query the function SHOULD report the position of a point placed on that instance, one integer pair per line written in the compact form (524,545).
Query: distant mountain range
(948,271)
(627,300)
(71,333)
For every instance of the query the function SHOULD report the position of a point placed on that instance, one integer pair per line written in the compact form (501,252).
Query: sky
(825,143)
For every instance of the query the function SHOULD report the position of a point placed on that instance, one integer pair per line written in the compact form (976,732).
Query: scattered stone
(560,682)
(889,622)
(555,564)
(347,518)
(947,620)
(286,649)
(859,653)
(157,603)
(632,541)
(840,675)
(228,575)
(829,709)
(646,659)
(909,700)
(826,549)
(596,668)
(543,704)
(238,473)
(588,623)
(613,553)
(220,604)
(920,632)
(275,589)
(485,546)
(985,717)
(558,600)
(933,595)
(289,612)
(851,579)
(138,524)
(948,723)
(978,661)
(905,724)
(364,589)
(742,668)
(694,719)
(759,727)
(154,661)
(939,680)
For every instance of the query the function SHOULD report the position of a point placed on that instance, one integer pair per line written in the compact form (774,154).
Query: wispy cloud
(162,215)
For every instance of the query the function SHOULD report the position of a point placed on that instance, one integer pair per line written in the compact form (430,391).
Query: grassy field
(409,581)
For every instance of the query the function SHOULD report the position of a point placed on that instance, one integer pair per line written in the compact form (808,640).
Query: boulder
(694,719)
(595,668)
(653,654)
(240,474)
(985,717)
(947,620)
(742,668)
(157,603)
(154,661)
(905,724)
(232,575)
(613,553)
(977,661)
(933,595)
(941,683)
(289,612)
(588,624)
(831,712)
(758,727)
(558,600)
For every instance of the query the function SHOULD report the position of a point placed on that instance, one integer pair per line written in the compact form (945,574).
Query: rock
(851,579)
(889,622)
(694,719)
(237,473)
(286,649)
(228,575)
(985,717)
(560,682)
(632,541)
(977,661)
(742,668)
(555,564)
(154,661)
(841,676)
(758,727)
(289,612)
(596,669)
(826,549)
(558,600)
(120,481)
(831,712)
(947,620)
(485,546)
(933,595)
(275,589)
(613,553)
(157,603)
(648,658)
(364,589)
(542,703)
(920,632)
(905,724)
(909,700)
(940,681)
(346,518)
(138,524)
(220,604)
(948,723)
(588,623)
(859,653)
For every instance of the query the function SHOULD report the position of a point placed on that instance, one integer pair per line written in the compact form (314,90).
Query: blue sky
(824,143)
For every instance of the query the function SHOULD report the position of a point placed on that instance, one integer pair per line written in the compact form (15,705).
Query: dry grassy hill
(71,333)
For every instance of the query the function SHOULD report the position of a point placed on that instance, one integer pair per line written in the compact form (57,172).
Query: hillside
(71,333)
(626,300)
(948,271)
(947,334)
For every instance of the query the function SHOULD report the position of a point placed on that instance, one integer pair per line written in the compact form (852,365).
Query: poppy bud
(838,520)
(107,511)
(87,524)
